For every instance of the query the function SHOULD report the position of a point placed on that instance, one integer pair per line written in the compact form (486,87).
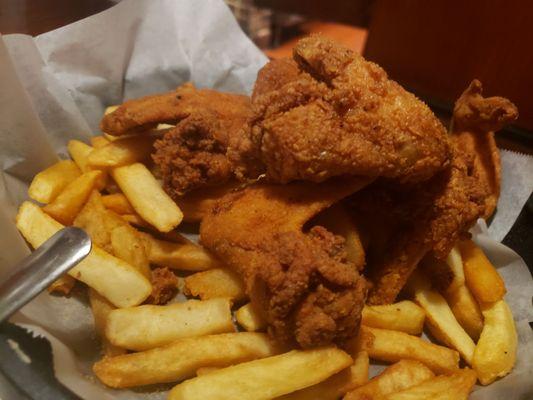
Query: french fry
(62,285)
(440,319)
(109,231)
(336,385)
(147,197)
(181,256)
(399,376)
(495,353)
(79,152)
(47,184)
(122,152)
(147,326)
(462,303)
(118,203)
(205,370)
(266,378)
(136,220)
(466,310)
(110,109)
(213,283)
(182,358)
(455,262)
(116,280)
(128,246)
(337,220)
(454,386)
(249,318)
(70,201)
(101,308)
(99,141)
(481,277)
(393,346)
(403,316)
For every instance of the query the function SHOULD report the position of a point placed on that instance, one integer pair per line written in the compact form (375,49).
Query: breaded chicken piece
(334,113)
(307,291)
(475,119)
(145,113)
(193,154)
(427,219)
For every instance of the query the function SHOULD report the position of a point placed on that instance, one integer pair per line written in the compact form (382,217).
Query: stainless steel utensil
(37,271)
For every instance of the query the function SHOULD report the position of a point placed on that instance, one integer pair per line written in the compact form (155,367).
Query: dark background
(434,48)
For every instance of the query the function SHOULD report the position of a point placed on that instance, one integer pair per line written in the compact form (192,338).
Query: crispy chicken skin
(193,154)
(426,220)
(329,112)
(475,119)
(301,281)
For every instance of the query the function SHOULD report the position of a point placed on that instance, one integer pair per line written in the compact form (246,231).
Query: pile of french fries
(213,345)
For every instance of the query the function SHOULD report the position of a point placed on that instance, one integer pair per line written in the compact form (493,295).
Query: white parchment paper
(55,87)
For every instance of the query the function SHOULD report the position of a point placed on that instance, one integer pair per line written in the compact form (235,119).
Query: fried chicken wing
(427,219)
(475,119)
(193,154)
(329,113)
(301,281)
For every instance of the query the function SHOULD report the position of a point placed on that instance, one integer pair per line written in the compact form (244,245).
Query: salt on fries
(148,326)
(180,359)
(266,378)
(131,224)
(116,280)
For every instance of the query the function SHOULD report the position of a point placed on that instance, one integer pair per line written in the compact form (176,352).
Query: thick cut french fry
(455,262)
(337,220)
(109,231)
(495,353)
(70,201)
(147,197)
(47,184)
(249,318)
(393,346)
(122,152)
(136,220)
(99,141)
(440,319)
(101,308)
(455,386)
(216,282)
(399,376)
(182,358)
(337,385)
(466,310)
(182,256)
(116,280)
(266,378)
(148,326)
(481,277)
(118,203)
(62,285)
(403,316)
(79,152)
(128,246)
